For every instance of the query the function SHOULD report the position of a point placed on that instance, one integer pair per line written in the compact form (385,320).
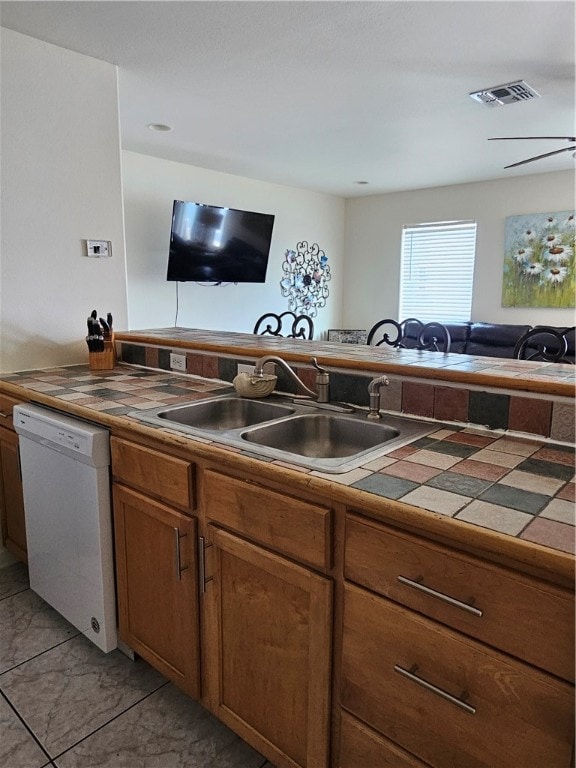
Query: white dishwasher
(66,481)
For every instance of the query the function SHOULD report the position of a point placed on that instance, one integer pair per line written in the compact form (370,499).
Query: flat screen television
(221,245)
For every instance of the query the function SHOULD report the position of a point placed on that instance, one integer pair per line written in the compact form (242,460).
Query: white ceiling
(320,95)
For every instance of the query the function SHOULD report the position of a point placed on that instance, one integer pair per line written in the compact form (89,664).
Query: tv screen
(222,245)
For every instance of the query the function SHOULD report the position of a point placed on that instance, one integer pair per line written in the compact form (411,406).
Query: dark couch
(490,339)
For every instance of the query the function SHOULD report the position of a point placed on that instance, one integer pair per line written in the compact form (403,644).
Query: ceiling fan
(571,139)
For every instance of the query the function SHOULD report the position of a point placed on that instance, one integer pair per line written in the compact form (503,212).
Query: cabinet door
(11,499)
(270,651)
(156,568)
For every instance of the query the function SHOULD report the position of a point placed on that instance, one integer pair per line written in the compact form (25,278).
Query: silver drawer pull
(417,584)
(5,415)
(459,702)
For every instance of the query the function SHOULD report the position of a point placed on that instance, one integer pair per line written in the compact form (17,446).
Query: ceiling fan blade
(523,138)
(538,157)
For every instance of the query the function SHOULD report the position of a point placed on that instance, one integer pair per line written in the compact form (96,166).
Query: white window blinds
(437,271)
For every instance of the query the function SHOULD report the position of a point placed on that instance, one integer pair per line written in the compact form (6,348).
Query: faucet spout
(259,370)
(322,394)
(374,393)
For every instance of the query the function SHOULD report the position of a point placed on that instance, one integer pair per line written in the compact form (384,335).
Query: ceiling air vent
(509,93)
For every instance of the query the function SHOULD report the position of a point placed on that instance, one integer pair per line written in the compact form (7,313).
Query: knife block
(103,361)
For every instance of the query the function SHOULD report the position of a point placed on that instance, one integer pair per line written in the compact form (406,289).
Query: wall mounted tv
(218,245)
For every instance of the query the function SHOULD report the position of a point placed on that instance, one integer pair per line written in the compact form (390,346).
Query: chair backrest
(294,326)
(547,344)
(410,334)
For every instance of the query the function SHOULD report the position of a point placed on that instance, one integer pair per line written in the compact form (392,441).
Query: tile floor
(65,704)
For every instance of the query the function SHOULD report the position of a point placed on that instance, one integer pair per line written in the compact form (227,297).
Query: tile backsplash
(544,416)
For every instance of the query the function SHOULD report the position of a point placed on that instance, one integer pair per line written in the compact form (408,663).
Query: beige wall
(150,187)
(61,183)
(374,234)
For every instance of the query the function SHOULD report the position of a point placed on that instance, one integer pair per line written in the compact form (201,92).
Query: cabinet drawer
(6,406)
(291,526)
(520,615)
(156,473)
(477,706)
(361,747)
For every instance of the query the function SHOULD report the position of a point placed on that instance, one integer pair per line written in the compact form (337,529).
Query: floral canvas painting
(539,260)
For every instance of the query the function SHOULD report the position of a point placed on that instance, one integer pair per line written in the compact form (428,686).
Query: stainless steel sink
(289,431)
(321,436)
(224,413)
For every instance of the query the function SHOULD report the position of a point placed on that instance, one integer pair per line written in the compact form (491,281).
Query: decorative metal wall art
(539,260)
(306,273)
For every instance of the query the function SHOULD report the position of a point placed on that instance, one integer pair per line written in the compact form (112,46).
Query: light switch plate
(98,249)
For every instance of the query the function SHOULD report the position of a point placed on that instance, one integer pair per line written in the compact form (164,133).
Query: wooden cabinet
(442,659)
(157,575)
(270,627)
(363,747)
(154,472)
(446,698)
(290,526)
(428,684)
(11,498)
(505,609)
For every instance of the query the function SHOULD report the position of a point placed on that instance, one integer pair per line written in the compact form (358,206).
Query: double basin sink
(280,428)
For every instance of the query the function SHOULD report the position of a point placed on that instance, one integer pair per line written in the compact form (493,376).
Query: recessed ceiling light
(159,127)
(360,182)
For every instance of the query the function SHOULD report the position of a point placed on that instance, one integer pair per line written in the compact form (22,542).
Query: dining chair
(299,326)
(547,344)
(410,334)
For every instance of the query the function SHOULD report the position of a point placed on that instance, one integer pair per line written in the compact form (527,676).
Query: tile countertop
(523,375)
(498,482)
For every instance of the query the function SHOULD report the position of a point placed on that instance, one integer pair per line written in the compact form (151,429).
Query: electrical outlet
(243,368)
(177,362)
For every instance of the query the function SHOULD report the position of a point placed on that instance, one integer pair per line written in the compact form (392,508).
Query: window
(437,271)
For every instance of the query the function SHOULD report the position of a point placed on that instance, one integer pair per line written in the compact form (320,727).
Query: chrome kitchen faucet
(322,394)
